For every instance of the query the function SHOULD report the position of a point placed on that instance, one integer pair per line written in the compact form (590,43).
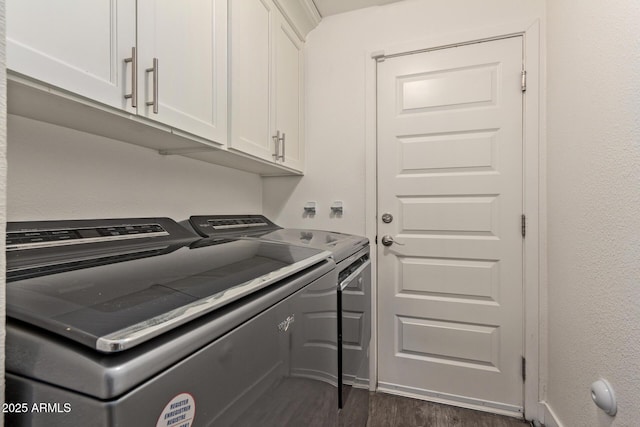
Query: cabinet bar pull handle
(154,70)
(134,78)
(276,143)
(284,145)
(277,139)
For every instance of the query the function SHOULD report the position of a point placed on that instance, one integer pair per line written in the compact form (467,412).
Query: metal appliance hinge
(523,83)
(524,225)
(524,368)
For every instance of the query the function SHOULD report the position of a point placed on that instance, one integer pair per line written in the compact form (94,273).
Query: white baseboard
(450,399)
(550,417)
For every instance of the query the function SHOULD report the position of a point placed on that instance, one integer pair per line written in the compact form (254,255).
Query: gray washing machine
(351,254)
(138,322)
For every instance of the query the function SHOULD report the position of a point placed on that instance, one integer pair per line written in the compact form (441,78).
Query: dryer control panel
(237,225)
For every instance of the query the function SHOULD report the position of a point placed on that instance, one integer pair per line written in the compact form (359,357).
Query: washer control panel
(56,237)
(48,234)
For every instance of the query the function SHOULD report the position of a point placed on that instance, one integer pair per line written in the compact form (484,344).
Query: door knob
(387,240)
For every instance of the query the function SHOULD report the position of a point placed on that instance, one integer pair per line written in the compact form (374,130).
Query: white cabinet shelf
(38,101)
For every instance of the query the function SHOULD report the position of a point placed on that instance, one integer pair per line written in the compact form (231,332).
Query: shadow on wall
(276,195)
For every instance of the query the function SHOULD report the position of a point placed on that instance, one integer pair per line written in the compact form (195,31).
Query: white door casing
(450,173)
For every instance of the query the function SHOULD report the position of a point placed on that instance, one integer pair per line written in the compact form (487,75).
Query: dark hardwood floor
(385,410)
(299,402)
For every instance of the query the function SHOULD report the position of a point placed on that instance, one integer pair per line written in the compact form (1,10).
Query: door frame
(534,191)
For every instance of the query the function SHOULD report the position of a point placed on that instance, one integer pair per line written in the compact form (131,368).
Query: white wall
(59,173)
(337,55)
(593,142)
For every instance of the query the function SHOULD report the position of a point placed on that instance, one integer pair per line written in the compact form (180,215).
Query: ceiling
(332,7)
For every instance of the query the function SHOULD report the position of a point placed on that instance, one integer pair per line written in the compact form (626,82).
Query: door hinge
(523,82)
(523,225)
(376,240)
(524,369)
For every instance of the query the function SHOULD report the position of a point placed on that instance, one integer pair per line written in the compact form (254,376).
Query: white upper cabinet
(186,88)
(89,48)
(76,45)
(266,82)
(217,80)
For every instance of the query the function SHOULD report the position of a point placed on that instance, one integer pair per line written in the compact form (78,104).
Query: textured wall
(593,144)
(3,189)
(59,173)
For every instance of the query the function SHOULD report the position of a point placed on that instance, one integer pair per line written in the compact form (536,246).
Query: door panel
(450,173)
(454,151)
(448,341)
(445,89)
(460,279)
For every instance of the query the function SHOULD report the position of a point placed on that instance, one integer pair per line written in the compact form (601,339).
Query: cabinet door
(289,94)
(251,71)
(75,45)
(188,40)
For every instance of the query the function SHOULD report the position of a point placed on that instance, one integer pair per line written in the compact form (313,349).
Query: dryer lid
(339,244)
(258,226)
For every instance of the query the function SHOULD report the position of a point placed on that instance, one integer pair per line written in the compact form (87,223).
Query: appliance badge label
(179,412)
(284,325)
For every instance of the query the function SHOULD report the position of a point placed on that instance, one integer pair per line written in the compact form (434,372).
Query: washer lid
(117,299)
(339,244)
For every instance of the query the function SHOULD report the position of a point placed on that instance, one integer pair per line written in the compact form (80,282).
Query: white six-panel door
(450,174)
